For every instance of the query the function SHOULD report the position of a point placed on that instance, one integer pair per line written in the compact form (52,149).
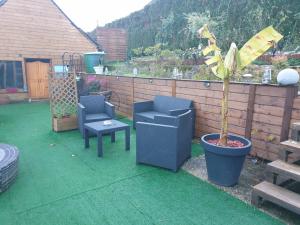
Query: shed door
(37,79)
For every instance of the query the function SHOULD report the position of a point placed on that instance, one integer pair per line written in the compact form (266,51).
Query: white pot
(288,77)
(98,69)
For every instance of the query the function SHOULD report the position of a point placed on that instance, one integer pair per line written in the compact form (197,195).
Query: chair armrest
(81,110)
(110,109)
(80,106)
(177,112)
(81,115)
(166,120)
(142,106)
(155,125)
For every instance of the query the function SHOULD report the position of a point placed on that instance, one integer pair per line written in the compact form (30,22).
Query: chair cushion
(165,103)
(97,117)
(147,117)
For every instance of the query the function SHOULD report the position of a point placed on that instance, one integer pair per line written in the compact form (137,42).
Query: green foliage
(191,53)
(174,22)
(280,64)
(294,62)
(168,54)
(260,62)
(94,86)
(138,52)
(153,50)
(194,22)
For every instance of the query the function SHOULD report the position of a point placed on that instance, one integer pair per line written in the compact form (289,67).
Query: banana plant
(234,60)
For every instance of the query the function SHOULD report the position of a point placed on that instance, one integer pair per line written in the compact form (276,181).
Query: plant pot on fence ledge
(224,164)
(64,123)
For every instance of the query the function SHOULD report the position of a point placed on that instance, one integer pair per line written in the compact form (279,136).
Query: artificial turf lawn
(60,182)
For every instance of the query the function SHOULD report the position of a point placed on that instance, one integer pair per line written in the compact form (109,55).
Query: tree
(235,60)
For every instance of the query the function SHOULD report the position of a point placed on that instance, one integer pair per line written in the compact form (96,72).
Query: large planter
(224,164)
(64,123)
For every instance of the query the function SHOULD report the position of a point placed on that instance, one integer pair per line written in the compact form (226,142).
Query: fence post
(174,88)
(291,93)
(250,110)
(132,90)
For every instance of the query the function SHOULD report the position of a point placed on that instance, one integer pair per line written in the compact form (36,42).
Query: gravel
(252,175)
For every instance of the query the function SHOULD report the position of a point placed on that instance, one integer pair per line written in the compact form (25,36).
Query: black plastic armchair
(161,106)
(93,108)
(165,143)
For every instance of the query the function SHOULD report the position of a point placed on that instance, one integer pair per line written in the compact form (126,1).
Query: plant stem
(224,119)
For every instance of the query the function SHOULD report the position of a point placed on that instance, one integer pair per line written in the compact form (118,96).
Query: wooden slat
(278,195)
(290,145)
(271,91)
(269,110)
(270,100)
(287,170)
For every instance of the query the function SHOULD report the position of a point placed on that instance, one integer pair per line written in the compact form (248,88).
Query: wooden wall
(6,98)
(122,93)
(260,112)
(114,42)
(38,29)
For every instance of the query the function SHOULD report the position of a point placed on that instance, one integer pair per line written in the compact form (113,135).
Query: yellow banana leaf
(258,45)
(205,33)
(220,71)
(214,59)
(210,49)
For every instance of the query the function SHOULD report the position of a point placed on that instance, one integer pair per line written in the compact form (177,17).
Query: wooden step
(276,194)
(289,147)
(284,170)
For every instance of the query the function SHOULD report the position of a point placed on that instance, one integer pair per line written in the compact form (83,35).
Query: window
(11,74)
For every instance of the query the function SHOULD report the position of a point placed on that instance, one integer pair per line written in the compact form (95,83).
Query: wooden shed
(33,33)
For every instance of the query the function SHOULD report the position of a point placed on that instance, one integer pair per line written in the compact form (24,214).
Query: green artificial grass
(60,182)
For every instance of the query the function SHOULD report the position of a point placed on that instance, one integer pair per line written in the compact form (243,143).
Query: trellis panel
(63,99)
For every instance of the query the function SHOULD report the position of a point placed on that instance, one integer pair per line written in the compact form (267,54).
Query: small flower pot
(224,164)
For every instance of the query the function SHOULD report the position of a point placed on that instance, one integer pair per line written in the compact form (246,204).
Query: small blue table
(100,129)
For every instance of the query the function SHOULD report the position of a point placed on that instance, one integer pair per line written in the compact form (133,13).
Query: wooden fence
(262,113)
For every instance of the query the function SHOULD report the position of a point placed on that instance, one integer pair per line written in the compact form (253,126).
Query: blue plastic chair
(93,108)
(165,143)
(161,106)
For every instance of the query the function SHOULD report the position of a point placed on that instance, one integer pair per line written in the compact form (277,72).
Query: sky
(87,13)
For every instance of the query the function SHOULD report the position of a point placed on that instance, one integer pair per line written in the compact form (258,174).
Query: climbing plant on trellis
(63,100)
(63,91)
(63,94)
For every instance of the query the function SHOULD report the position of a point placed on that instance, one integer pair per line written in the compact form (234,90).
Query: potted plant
(64,122)
(63,101)
(225,153)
